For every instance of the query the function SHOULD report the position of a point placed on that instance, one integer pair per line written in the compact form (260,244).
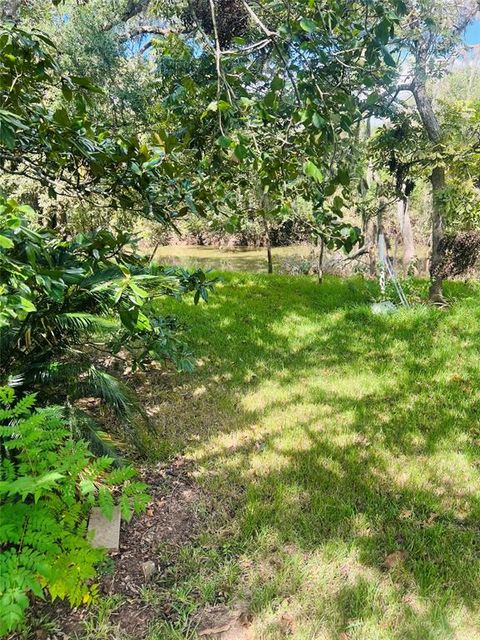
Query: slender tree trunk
(269,257)
(154,251)
(320,260)
(268,244)
(405,225)
(382,248)
(369,226)
(372,261)
(437,180)
(438,184)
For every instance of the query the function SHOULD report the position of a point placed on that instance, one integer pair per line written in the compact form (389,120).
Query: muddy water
(235,259)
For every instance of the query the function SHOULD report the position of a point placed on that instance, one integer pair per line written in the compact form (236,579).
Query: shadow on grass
(322,425)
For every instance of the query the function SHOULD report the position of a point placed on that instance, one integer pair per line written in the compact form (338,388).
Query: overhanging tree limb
(143,30)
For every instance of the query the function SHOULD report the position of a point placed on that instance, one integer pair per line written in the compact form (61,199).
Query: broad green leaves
(61,148)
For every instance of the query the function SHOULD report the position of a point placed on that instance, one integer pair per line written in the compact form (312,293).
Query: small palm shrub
(68,303)
(48,483)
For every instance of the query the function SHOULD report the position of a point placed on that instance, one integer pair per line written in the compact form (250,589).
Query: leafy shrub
(461,202)
(48,483)
(66,303)
(460,252)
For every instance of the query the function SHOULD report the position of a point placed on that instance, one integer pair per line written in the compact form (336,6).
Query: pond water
(231,259)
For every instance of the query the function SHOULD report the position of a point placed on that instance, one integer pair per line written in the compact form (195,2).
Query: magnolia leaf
(308,25)
(240,151)
(5,243)
(311,170)
(382,31)
(317,120)
(387,56)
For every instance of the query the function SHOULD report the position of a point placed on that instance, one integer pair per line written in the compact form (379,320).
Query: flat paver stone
(106,532)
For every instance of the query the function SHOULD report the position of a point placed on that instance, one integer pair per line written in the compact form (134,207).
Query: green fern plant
(49,481)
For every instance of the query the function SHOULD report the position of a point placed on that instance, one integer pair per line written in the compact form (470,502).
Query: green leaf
(343,177)
(86,83)
(277,83)
(67,92)
(308,25)
(224,142)
(387,56)
(311,170)
(27,209)
(7,136)
(27,305)
(241,152)
(223,105)
(382,31)
(317,120)
(61,117)
(6,243)
(136,169)
(373,98)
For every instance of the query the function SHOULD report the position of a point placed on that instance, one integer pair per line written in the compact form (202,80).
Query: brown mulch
(170,520)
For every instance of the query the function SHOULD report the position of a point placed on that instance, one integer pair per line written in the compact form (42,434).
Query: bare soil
(170,519)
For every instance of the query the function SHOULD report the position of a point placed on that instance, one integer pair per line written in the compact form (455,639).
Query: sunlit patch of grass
(98,625)
(341,452)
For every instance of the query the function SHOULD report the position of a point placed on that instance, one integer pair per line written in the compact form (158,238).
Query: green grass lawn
(341,454)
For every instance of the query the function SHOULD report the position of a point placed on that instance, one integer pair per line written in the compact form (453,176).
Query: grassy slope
(331,439)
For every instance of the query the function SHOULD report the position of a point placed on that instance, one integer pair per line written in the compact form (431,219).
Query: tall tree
(431,36)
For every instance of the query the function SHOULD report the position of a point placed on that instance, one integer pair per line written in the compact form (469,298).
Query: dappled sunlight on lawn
(342,451)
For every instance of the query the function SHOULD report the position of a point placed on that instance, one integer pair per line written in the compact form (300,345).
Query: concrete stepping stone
(106,532)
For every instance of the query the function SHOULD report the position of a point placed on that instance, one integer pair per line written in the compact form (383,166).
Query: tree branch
(143,30)
(258,22)
(133,8)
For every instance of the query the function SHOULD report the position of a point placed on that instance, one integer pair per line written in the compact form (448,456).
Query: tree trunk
(320,260)
(437,180)
(268,244)
(405,225)
(269,256)
(382,248)
(369,226)
(372,250)
(438,184)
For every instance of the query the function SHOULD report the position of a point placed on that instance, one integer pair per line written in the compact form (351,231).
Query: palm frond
(120,398)
(100,384)
(100,277)
(83,322)
(101,443)
(50,373)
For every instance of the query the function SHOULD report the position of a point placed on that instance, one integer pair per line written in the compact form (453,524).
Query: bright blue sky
(472,33)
